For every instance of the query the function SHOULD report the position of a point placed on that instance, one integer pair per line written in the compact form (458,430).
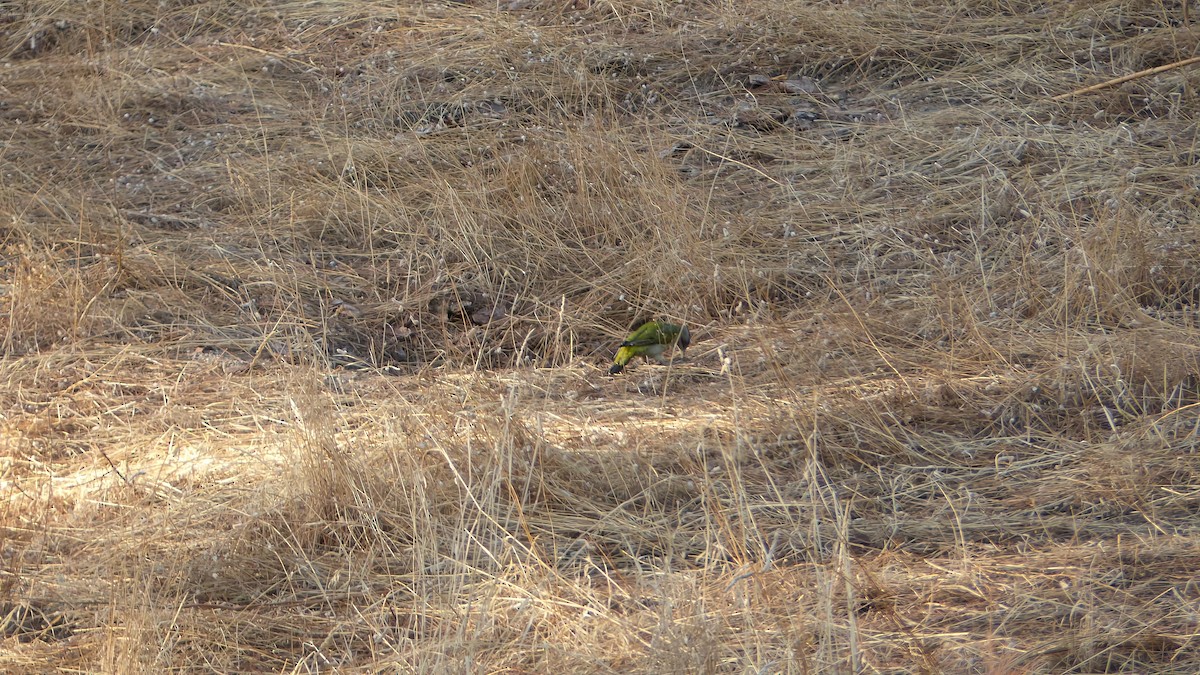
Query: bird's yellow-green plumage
(651,340)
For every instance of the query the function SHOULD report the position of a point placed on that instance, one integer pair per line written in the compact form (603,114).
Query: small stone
(488,315)
(803,85)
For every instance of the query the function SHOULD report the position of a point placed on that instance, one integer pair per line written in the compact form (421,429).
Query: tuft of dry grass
(305,310)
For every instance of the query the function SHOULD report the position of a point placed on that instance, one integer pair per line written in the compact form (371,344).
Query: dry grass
(305,310)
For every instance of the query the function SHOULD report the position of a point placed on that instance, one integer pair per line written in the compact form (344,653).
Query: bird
(651,340)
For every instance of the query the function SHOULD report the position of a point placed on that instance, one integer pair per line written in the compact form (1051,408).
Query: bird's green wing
(651,333)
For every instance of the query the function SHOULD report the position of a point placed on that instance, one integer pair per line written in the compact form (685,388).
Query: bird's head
(685,338)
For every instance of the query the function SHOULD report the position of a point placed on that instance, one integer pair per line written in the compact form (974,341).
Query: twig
(114,467)
(1126,78)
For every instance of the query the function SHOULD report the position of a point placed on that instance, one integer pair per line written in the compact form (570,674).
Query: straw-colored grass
(306,310)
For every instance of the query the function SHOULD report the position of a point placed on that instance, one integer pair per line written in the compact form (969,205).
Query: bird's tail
(622,359)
